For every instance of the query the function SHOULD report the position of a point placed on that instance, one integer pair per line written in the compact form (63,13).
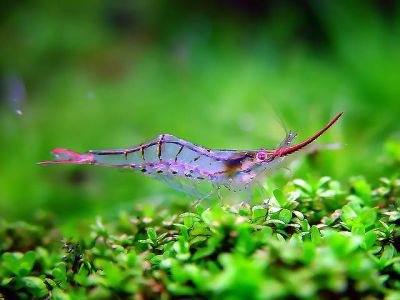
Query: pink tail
(65,156)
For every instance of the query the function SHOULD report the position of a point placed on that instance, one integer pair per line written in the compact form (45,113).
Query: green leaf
(299,215)
(358,229)
(113,274)
(264,235)
(155,260)
(315,235)
(51,283)
(341,244)
(5,281)
(59,294)
(197,239)
(280,197)
(184,233)
(182,249)
(369,240)
(396,267)
(152,235)
(82,276)
(285,216)
(188,214)
(368,216)
(259,212)
(362,189)
(203,252)
(387,254)
(245,242)
(323,181)
(303,185)
(200,229)
(304,225)
(178,272)
(35,285)
(11,262)
(60,274)
(188,221)
(19,264)
(326,194)
(275,221)
(131,258)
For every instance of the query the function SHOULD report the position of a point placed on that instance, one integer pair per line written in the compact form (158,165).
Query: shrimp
(183,165)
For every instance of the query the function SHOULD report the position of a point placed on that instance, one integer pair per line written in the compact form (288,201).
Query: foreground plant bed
(312,240)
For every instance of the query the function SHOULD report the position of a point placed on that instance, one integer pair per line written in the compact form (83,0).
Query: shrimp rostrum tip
(183,165)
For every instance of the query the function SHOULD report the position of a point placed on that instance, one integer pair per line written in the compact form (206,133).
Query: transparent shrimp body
(185,166)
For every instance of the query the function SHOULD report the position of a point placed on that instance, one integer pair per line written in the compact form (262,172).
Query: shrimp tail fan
(65,156)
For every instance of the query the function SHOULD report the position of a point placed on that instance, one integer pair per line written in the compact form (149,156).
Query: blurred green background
(112,74)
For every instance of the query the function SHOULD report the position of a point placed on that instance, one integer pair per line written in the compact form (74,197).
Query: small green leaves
(362,189)
(388,257)
(341,244)
(354,214)
(60,274)
(181,248)
(35,285)
(303,186)
(152,235)
(19,264)
(82,276)
(309,239)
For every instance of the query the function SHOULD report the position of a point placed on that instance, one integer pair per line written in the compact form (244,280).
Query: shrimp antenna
(289,150)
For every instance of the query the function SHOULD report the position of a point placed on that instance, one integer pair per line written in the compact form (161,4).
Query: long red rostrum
(289,150)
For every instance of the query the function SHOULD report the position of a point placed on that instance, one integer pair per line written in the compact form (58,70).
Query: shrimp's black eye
(262,155)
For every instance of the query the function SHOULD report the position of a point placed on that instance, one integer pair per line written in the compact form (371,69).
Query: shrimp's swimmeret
(173,161)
